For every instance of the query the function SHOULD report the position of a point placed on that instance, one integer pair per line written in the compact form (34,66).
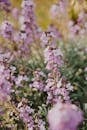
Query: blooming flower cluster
(38,80)
(30,90)
(7,30)
(6,78)
(79,27)
(56,86)
(31,119)
(20,79)
(65,117)
(55,31)
(75,22)
(58,10)
(5,5)
(29,32)
(25,113)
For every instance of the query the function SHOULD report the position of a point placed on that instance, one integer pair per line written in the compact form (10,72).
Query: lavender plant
(34,93)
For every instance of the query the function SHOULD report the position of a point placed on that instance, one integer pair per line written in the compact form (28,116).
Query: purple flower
(7,30)
(5,5)
(57,87)
(15,13)
(26,114)
(55,31)
(78,27)
(37,80)
(29,30)
(64,117)
(6,77)
(52,54)
(7,2)
(20,79)
(59,9)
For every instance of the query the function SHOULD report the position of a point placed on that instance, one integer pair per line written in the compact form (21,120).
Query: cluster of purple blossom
(79,27)
(59,9)
(6,77)
(64,115)
(25,113)
(77,24)
(55,31)
(6,30)
(56,86)
(28,33)
(37,80)
(31,119)
(19,79)
(5,5)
